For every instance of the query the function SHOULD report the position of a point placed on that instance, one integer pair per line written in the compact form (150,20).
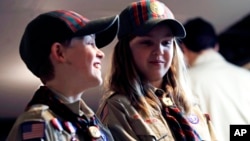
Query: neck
(66,91)
(157,84)
(67,98)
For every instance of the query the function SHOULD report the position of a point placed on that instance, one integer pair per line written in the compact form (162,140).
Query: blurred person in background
(236,51)
(222,88)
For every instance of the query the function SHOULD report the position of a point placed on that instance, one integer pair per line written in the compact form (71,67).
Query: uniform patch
(151,120)
(69,127)
(56,124)
(33,130)
(136,116)
(193,118)
(94,132)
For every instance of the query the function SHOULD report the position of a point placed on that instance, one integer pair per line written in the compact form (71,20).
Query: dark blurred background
(17,84)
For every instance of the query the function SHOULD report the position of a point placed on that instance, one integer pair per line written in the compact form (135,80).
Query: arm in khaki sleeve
(115,116)
(41,116)
(15,133)
(206,128)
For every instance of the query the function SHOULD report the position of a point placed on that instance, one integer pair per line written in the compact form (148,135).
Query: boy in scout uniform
(61,48)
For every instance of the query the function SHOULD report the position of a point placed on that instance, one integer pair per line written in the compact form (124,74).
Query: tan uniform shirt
(127,124)
(42,114)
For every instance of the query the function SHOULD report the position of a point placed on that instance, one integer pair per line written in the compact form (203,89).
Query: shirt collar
(78,107)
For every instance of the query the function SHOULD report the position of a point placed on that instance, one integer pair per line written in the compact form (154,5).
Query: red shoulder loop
(207,116)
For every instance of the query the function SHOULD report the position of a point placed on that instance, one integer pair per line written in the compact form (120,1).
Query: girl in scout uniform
(147,96)
(62,49)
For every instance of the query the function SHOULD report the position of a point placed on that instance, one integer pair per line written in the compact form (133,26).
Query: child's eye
(147,43)
(91,43)
(166,43)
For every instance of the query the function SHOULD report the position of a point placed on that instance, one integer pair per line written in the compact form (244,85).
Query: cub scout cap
(140,17)
(59,26)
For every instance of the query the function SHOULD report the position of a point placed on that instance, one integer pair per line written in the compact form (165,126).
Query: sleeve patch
(33,130)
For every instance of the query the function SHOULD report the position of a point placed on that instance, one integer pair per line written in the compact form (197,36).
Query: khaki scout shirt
(127,124)
(42,113)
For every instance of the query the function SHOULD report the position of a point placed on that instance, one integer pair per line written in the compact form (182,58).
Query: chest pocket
(151,129)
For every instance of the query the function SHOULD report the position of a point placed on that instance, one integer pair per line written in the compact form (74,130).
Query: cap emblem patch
(157,8)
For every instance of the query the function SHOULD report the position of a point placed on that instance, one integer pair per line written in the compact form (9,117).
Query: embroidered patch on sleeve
(193,119)
(33,130)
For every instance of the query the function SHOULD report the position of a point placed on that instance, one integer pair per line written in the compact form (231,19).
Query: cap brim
(105,30)
(175,26)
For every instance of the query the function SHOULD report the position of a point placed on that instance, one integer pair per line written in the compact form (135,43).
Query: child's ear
(57,52)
